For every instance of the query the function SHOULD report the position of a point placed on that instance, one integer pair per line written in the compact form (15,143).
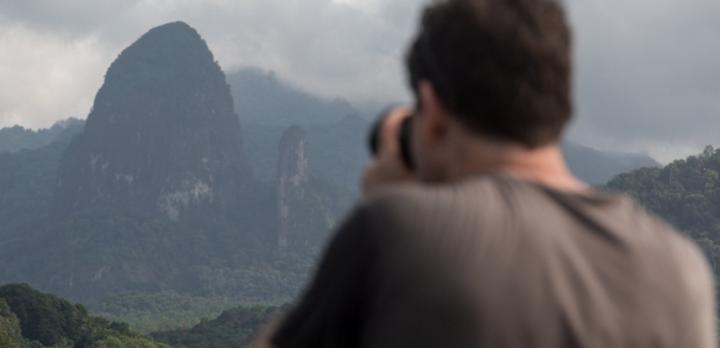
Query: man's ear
(436,117)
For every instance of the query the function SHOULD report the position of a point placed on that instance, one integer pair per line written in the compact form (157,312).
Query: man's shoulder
(428,207)
(403,195)
(676,246)
(491,196)
(651,229)
(414,197)
(400,207)
(657,242)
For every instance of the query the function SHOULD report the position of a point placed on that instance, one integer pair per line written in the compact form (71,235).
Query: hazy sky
(648,71)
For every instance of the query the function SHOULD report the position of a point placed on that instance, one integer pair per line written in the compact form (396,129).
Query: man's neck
(545,165)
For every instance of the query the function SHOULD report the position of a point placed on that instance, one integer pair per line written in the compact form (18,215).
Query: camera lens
(403,137)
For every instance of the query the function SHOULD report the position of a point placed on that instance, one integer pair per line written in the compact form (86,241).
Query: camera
(403,138)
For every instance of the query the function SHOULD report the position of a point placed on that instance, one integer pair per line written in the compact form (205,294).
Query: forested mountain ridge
(686,193)
(267,100)
(336,131)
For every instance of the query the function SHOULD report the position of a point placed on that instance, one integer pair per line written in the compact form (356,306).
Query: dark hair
(502,67)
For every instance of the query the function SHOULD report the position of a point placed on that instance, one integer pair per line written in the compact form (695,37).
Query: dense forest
(686,193)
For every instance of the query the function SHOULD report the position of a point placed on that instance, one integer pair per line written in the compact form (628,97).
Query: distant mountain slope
(13,139)
(27,178)
(337,150)
(337,135)
(336,132)
(597,167)
(262,98)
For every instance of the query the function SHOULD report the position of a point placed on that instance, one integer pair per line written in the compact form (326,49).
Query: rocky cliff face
(307,206)
(162,137)
(292,177)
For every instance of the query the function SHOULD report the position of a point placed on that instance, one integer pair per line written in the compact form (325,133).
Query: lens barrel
(404,138)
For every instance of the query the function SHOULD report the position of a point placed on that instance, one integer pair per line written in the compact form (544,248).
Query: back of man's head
(501,67)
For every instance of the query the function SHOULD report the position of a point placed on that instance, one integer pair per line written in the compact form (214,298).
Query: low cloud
(333,48)
(647,75)
(44,78)
(647,78)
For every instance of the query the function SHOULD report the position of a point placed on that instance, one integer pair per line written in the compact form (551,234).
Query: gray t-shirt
(500,262)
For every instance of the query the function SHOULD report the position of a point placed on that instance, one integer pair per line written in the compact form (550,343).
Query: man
(490,241)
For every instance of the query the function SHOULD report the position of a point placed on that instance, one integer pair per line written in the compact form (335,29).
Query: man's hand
(387,167)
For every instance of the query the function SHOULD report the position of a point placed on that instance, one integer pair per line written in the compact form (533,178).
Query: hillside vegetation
(31,319)
(233,328)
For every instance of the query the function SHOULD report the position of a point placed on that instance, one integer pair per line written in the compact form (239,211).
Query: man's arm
(330,311)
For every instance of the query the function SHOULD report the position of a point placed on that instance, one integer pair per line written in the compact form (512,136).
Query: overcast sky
(648,71)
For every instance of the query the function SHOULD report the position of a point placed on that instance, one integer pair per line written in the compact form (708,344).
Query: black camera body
(404,137)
